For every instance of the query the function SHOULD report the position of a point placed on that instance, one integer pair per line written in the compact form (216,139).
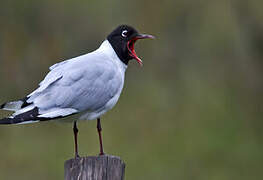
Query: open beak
(130,45)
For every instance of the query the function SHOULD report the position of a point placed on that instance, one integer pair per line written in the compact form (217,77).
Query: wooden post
(104,167)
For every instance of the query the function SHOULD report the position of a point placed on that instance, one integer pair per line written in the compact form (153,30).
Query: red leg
(100,138)
(75,130)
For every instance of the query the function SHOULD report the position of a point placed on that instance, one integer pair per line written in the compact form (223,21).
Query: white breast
(118,81)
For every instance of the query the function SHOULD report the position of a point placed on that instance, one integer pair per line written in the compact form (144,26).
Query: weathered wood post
(104,167)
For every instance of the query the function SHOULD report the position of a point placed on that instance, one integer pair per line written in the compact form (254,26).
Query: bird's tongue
(130,46)
(132,52)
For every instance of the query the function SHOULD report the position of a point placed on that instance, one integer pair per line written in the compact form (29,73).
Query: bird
(87,86)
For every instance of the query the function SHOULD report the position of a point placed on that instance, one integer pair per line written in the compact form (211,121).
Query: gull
(88,85)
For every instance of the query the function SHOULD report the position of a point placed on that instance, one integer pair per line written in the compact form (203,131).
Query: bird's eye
(124,33)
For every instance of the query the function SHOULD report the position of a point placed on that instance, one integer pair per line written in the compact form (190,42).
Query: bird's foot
(77,156)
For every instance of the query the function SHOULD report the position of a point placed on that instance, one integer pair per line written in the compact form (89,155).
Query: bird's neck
(106,48)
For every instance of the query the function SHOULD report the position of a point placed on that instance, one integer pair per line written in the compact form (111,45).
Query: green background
(194,111)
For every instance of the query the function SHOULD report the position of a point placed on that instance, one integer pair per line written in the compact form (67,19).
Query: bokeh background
(194,111)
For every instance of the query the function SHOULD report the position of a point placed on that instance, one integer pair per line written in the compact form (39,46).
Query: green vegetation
(194,111)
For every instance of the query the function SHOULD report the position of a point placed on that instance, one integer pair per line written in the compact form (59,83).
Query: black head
(123,39)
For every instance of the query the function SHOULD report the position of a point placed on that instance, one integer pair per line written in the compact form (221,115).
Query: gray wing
(85,83)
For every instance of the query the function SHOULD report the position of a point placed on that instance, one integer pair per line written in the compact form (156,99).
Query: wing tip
(33,116)
(6,121)
(25,103)
(2,106)
(26,117)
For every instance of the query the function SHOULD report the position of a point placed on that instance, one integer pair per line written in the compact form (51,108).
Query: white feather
(58,113)
(23,110)
(13,106)
(28,122)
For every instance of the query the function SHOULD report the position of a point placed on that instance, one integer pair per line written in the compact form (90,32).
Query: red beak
(130,45)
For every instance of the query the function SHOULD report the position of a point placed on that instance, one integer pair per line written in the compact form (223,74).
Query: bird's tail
(28,113)
(15,105)
(23,118)
(24,112)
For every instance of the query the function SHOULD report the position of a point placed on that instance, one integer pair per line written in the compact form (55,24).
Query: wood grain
(106,167)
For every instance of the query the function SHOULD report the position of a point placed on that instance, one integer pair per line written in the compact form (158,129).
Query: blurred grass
(194,111)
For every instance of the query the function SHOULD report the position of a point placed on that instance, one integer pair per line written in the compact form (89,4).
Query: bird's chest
(102,92)
(105,99)
(115,95)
